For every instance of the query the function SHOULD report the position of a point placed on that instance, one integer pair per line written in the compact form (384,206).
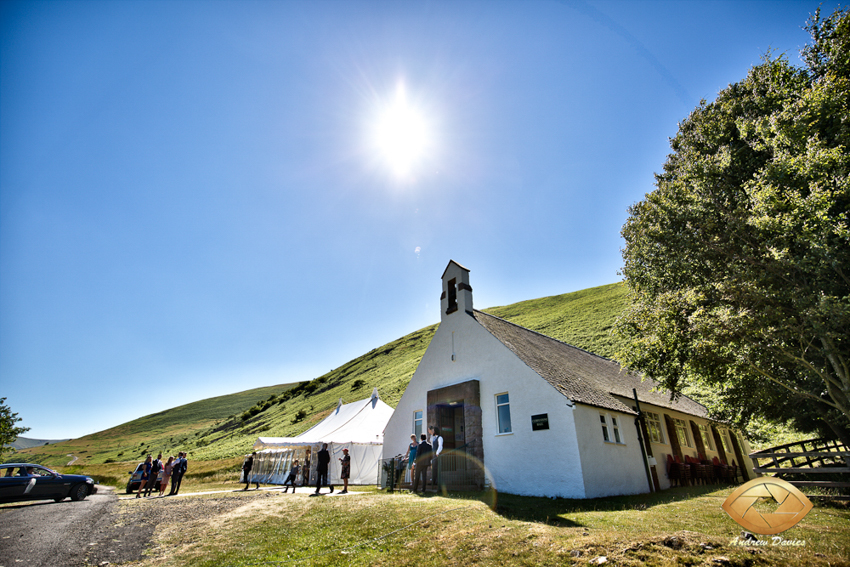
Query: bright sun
(401,135)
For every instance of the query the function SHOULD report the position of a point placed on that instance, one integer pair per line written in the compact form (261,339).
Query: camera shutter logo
(792,505)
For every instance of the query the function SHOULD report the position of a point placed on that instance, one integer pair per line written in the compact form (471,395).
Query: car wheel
(129,488)
(79,492)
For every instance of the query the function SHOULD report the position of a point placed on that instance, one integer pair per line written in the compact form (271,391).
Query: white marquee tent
(358,427)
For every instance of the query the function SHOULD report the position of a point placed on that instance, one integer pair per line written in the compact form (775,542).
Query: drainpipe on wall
(640,440)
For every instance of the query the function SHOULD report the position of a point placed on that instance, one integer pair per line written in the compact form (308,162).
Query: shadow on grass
(552,511)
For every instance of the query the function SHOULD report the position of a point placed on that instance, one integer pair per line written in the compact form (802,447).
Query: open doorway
(456,411)
(450,422)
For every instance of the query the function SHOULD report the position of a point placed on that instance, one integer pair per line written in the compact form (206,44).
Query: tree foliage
(8,430)
(738,263)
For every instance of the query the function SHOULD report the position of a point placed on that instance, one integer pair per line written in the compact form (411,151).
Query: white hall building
(544,418)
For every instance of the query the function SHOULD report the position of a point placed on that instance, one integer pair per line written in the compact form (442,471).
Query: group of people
(173,469)
(323,459)
(423,456)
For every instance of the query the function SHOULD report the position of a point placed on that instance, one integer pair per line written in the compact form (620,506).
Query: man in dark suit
(423,462)
(177,475)
(246,468)
(437,448)
(324,458)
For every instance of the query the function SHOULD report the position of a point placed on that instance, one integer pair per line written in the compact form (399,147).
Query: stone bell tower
(457,293)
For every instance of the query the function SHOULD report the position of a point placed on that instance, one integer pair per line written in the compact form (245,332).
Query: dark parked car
(136,479)
(25,481)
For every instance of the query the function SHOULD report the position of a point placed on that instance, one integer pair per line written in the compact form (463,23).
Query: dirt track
(103,529)
(46,533)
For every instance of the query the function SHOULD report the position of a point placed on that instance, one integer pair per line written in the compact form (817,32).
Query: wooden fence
(811,457)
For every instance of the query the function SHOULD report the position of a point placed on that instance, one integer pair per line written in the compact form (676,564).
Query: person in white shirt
(437,444)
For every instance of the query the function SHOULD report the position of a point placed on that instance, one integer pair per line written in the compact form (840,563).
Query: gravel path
(101,530)
(47,533)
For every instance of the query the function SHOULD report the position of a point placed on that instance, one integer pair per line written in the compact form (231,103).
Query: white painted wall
(610,468)
(541,463)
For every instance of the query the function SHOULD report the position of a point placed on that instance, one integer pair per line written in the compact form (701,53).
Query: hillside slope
(228,425)
(26,442)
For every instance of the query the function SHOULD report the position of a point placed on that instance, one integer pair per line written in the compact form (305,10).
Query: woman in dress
(146,474)
(166,475)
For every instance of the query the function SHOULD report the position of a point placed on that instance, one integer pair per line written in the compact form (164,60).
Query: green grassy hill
(227,426)
(26,442)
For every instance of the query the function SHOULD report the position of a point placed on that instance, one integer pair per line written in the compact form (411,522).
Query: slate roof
(580,375)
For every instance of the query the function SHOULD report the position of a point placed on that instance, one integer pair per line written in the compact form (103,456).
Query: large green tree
(8,430)
(738,263)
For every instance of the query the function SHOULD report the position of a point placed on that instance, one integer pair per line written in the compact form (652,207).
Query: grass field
(683,526)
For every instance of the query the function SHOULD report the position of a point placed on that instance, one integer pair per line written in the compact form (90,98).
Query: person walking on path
(146,474)
(346,470)
(156,466)
(324,459)
(246,470)
(166,475)
(293,474)
(423,462)
(180,468)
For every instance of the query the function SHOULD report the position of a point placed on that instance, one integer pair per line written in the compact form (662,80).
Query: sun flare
(401,135)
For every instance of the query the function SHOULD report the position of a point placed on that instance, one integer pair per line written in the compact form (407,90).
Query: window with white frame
(503,413)
(417,423)
(604,422)
(616,427)
(653,427)
(610,428)
(682,433)
(706,437)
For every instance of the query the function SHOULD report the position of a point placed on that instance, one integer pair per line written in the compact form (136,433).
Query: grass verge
(677,527)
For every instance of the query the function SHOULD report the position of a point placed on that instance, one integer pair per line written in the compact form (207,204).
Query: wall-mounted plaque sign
(540,421)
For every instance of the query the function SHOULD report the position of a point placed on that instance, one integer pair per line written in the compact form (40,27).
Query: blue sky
(198,198)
